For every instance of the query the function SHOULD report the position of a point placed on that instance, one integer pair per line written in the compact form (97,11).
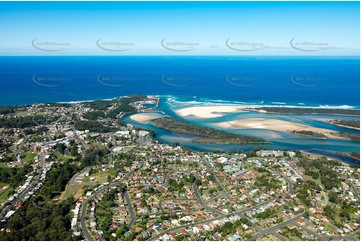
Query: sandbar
(273,124)
(143,117)
(209,111)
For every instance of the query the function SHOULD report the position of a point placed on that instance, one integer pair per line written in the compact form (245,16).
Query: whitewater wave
(179,102)
(337,107)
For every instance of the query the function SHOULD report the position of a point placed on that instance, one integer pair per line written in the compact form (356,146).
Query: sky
(180,28)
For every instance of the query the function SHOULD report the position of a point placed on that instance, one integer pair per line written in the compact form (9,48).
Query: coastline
(273,124)
(205,102)
(304,152)
(347,127)
(144,117)
(346,154)
(171,99)
(339,125)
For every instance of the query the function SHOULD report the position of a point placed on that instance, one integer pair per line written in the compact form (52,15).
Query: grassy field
(3,165)
(71,191)
(21,113)
(40,114)
(2,185)
(60,156)
(76,190)
(29,156)
(4,194)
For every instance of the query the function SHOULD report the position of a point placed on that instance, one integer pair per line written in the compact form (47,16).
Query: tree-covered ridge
(93,126)
(207,135)
(321,169)
(6,110)
(353,123)
(309,133)
(353,137)
(14,176)
(324,178)
(17,122)
(42,218)
(98,109)
(291,110)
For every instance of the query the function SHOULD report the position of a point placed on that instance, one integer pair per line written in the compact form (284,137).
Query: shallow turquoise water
(278,139)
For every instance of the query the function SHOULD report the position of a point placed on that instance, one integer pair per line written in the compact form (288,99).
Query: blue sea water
(309,81)
(187,81)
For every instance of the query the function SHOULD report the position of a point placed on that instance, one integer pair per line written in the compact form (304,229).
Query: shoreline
(347,127)
(144,116)
(346,154)
(212,102)
(215,111)
(275,125)
(204,103)
(329,157)
(329,121)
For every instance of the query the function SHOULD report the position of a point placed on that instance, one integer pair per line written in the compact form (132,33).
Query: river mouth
(278,139)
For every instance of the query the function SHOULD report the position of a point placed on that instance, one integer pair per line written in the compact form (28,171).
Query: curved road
(200,201)
(130,208)
(86,202)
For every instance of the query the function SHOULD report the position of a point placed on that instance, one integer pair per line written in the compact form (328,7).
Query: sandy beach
(209,111)
(273,124)
(143,117)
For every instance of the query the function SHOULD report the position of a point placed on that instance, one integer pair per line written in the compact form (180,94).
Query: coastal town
(86,175)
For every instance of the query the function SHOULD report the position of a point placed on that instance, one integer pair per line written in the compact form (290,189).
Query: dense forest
(288,110)
(321,169)
(24,121)
(17,122)
(347,123)
(93,126)
(94,156)
(308,133)
(7,110)
(14,176)
(353,137)
(41,217)
(207,135)
(338,210)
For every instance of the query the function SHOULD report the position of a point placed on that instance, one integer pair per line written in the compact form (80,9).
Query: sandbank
(273,124)
(209,111)
(143,117)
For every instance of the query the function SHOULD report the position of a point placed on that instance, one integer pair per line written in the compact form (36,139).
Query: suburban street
(99,191)
(130,209)
(82,220)
(200,201)
(206,162)
(355,190)
(34,182)
(272,229)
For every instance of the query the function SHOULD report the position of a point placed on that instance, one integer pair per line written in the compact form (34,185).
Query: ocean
(301,81)
(329,82)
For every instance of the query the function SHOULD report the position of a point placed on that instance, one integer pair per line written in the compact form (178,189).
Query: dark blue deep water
(285,81)
(310,81)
